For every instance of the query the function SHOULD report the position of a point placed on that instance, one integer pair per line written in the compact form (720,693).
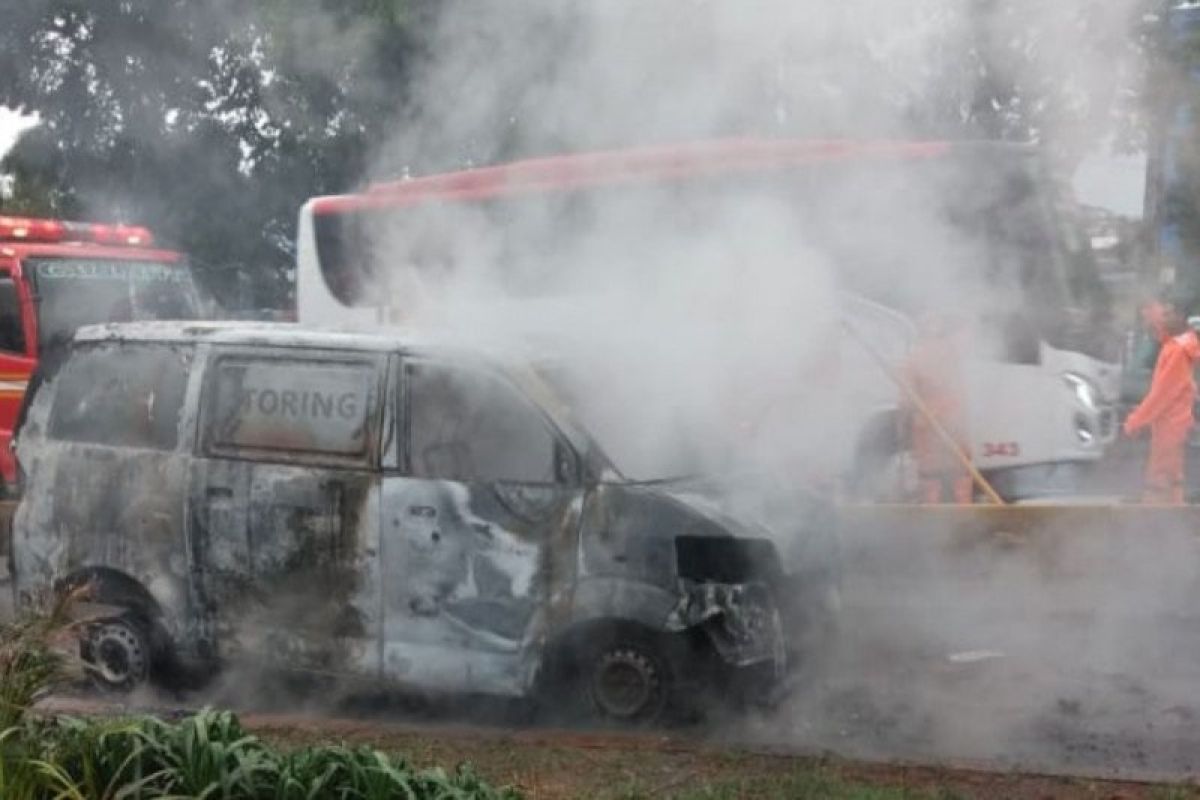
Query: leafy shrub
(207,755)
(30,657)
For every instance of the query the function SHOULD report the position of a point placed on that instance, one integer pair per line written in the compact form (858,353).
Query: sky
(11,124)
(1113,182)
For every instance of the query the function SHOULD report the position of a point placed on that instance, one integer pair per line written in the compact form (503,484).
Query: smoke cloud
(713,317)
(700,324)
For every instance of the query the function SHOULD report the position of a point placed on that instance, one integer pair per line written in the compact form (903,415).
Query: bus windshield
(73,292)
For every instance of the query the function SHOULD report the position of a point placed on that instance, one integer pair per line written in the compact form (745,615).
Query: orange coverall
(1167,411)
(934,372)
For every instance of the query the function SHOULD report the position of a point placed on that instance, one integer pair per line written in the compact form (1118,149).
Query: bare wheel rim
(626,683)
(118,655)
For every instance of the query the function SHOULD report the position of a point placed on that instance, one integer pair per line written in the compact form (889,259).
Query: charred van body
(373,507)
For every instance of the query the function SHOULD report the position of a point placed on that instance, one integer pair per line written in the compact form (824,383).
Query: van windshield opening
(73,292)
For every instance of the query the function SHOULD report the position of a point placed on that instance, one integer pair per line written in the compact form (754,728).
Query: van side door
(480,522)
(285,495)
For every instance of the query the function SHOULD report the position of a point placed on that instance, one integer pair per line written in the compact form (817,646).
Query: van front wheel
(628,680)
(117,654)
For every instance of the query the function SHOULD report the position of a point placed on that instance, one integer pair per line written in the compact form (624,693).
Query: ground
(548,764)
(688,764)
(1010,644)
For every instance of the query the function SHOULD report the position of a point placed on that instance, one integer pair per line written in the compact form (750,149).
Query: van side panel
(286,564)
(120,513)
(283,529)
(113,499)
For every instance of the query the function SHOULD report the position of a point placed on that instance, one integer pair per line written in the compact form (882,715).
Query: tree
(210,122)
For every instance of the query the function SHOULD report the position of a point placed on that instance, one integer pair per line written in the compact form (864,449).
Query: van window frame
(46,379)
(567,467)
(367,460)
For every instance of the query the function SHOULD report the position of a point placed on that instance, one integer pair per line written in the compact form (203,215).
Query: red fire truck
(56,276)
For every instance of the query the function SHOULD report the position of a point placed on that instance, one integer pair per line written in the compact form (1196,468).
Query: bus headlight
(1084,389)
(1083,431)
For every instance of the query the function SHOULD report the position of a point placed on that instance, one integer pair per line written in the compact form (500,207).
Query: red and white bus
(898,220)
(56,276)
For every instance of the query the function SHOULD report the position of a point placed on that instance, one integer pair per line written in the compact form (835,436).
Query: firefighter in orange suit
(934,372)
(1154,315)
(1167,410)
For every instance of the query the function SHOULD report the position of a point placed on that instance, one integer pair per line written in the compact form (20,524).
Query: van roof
(513,360)
(270,334)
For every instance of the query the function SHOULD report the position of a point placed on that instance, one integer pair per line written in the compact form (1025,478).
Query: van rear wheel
(117,654)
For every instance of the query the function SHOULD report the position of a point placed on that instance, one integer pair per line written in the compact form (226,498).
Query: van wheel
(117,654)
(627,679)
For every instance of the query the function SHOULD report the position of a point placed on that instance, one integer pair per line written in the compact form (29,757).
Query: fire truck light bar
(28,229)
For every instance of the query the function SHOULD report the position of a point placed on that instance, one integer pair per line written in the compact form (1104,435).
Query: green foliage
(211,122)
(30,661)
(86,759)
(208,755)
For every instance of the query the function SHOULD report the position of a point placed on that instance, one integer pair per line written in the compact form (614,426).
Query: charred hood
(656,534)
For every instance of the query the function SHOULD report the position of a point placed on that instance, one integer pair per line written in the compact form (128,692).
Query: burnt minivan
(377,507)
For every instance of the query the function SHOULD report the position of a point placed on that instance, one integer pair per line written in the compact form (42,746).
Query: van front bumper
(743,626)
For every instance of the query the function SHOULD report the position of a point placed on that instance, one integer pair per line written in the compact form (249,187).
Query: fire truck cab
(56,276)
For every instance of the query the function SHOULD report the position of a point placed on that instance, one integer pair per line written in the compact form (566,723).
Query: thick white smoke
(701,326)
(704,327)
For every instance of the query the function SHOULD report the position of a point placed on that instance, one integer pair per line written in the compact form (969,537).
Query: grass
(1175,793)
(557,765)
(807,784)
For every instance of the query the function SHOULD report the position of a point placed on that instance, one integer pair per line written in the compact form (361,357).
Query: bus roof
(662,162)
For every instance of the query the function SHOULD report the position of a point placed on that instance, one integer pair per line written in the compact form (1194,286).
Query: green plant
(31,662)
(91,759)
(20,777)
(208,755)
(31,658)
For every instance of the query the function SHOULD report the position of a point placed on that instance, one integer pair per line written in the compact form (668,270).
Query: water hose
(924,410)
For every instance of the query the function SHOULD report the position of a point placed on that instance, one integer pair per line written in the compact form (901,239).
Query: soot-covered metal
(372,507)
